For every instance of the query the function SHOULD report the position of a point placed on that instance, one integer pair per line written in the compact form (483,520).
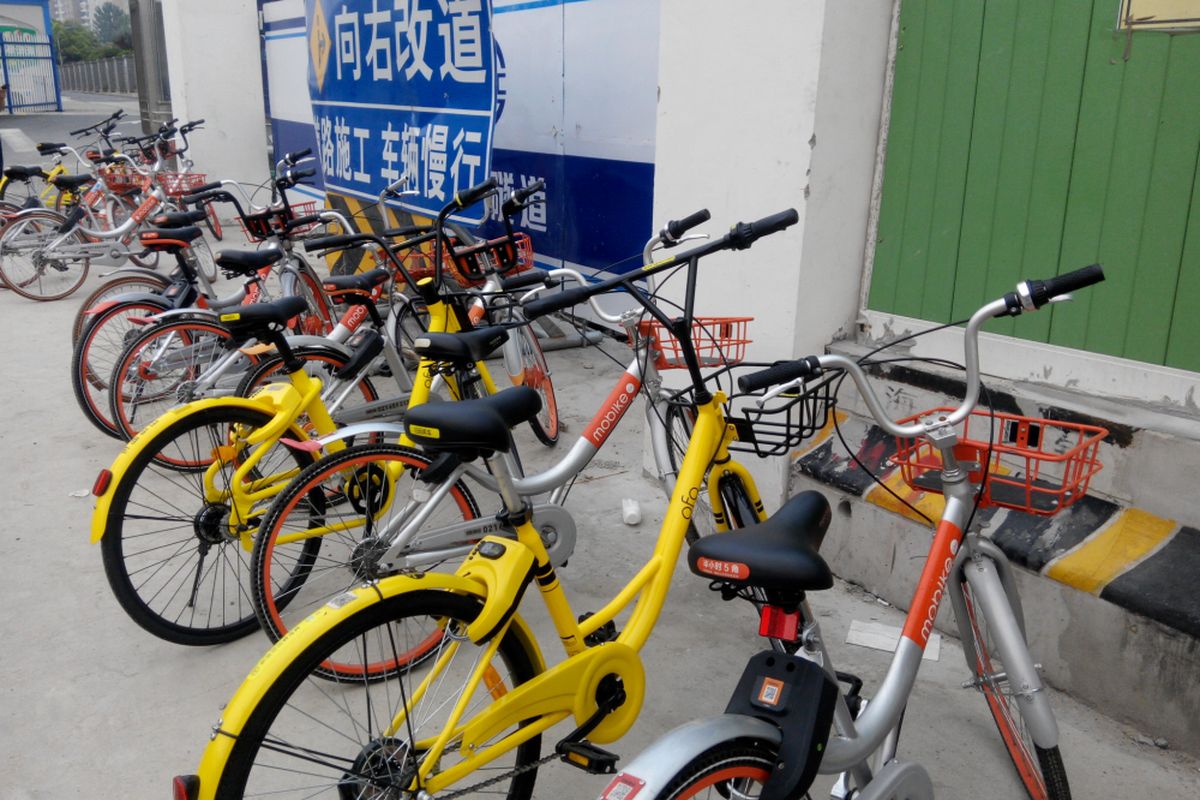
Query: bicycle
(353,516)
(428,720)
(238,454)
(789,718)
(50,194)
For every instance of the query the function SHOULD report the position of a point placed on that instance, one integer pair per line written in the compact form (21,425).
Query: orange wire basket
(719,342)
(507,255)
(1040,466)
(177,184)
(123,179)
(264,224)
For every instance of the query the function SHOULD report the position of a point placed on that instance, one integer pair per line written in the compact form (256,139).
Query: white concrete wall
(214,62)
(742,91)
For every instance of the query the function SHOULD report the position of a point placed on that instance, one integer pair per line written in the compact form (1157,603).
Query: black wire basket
(776,426)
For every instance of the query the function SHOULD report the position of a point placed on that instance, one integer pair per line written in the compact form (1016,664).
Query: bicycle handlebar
(476,193)
(740,236)
(678,227)
(1029,296)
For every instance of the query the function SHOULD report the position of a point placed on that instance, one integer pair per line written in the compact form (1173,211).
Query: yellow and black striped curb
(1137,560)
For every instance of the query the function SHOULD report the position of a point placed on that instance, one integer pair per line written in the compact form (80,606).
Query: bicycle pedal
(588,757)
(605,633)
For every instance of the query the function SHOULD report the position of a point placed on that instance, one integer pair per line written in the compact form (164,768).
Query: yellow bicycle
(433,685)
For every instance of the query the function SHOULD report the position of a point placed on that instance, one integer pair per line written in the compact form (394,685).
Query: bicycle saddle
(471,428)
(255,319)
(460,348)
(177,219)
(779,554)
(23,173)
(71,183)
(362,283)
(247,262)
(168,240)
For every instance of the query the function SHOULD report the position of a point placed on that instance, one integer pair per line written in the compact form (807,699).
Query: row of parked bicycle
(384,539)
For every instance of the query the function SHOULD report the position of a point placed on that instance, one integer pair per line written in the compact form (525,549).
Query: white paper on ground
(878,636)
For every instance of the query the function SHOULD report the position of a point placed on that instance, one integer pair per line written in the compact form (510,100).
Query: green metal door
(1029,138)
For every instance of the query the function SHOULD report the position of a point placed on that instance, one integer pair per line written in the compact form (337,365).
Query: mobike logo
(936,599)
(143,211)
(354,317)
(614,408)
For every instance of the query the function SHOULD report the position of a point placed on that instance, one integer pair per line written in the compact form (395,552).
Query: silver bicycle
(790,717)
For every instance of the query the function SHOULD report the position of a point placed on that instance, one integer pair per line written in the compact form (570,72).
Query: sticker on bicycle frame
(343,599)
(230,317)
(428,433)
(623,787)
(723,569)
(770,693)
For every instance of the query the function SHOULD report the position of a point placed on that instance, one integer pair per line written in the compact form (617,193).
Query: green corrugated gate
(1031,137)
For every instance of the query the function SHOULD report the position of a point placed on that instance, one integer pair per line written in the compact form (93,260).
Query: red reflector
(102,482)
(185,787)
(779,624)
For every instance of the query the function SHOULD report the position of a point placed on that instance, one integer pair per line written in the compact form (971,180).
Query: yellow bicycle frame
(566,690)
(286,403)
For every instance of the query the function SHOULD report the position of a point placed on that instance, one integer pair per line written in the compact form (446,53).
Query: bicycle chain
(503,777)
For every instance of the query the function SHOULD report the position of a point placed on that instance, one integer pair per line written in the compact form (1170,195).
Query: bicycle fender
(276,660)
(648,774)
(138,443)
(128,297)
(132,270)
(362,429)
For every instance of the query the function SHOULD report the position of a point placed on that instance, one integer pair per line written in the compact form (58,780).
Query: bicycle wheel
(1040,770)
(213,222)
(105,338)
(536,375)
(280,752)
(679,419)
(160,369)
(148,282)
(320,362)
(412,321)
(35,264)
(320,319)
(733,769)
(324,533)
(175,561)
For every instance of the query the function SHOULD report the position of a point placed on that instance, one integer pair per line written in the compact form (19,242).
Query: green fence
(1031,137)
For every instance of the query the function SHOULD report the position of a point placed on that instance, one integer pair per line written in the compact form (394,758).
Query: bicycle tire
(536,375)
(213,222)
(335,492)
(24,267)
(101,344)
(320,319)
(166,477)
(281,723)
(1039,770)
(150,282)
(728,769)
(159,368)
(202,259)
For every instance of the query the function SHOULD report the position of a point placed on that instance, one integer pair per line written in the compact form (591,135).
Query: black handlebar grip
(530,277)
(406,230)
(779,372)
(476,193)
(541,306)
(80,131)
(301,174)
(529,191)
(292,158)
(745,234)
(298,222)
(120,112)
(678,227)
(202,196)
(339,242)
(1042,292)
(50,148)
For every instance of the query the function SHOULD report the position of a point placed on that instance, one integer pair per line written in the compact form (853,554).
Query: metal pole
(4,60)
(54,69)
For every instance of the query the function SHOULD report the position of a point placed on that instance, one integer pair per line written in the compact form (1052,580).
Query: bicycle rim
(733,770)
(32,270)
(362,746)
(536,375)
(320,537)
(1040,771)
(177,560)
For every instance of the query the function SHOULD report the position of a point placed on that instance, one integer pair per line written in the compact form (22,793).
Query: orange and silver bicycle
(789,718)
